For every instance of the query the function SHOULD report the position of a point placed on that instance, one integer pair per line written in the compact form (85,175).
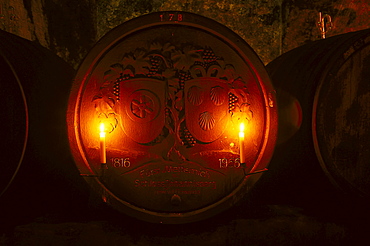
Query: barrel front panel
(171,94)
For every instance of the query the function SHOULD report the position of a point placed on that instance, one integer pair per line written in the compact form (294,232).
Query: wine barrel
(36,163)
(323,92)
(171,89)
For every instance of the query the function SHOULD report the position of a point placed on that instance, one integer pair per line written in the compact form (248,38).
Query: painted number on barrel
(171,17)
(225,163)
(121,162)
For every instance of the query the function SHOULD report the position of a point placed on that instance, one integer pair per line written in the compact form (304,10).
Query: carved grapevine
(174,66)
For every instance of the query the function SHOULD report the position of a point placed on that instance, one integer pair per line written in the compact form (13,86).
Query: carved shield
(141,108)
(206,108)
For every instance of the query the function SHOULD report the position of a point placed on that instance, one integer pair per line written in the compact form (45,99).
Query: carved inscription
(121,162)
(175,17)
(175,169)
(225,163)
(180,192)
(176,184)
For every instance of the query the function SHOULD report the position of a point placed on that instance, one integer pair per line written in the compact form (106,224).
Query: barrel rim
(349,47)
(18,166)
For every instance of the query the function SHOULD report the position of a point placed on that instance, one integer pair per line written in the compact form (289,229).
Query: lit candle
(241,144)
(103,156)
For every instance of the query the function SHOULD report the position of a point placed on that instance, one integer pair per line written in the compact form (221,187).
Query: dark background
(70,28)
(272,27)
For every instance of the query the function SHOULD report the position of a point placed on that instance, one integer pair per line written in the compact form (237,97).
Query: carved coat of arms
(185,91)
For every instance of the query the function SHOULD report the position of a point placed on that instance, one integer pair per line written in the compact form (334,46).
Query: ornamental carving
(185,91)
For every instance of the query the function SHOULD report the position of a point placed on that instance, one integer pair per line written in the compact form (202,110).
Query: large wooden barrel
(323,93)
(171,90)
(37,169)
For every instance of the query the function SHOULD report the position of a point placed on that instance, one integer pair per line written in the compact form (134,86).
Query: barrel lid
(172,89)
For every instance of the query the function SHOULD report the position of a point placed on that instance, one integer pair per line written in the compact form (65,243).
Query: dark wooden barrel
(323,93)
(171,89)
(37,169)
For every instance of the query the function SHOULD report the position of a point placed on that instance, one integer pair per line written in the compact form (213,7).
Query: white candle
(241,144)
(103,156)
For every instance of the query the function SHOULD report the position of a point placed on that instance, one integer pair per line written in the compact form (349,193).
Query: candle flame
(241,127)
(102,130)
(241,143)
(103,154)
(241,131)
(102,127)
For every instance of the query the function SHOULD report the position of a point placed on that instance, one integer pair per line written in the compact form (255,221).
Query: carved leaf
(138,61)
(242,112)
(229,73)
(168,47)
(170,74)
(238,83)
(111,75)
(241,94)
(104,105)
(248,114)
(184,59)
(155,46)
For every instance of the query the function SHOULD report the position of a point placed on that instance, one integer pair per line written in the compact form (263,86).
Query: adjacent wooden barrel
(36,163)
(323,93)
(171,90)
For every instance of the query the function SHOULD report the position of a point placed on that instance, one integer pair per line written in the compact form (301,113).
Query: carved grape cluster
(117,84)
(184,76)
(116,87)
(209,56)
(208,59)
(232,100)
(187,139)
(155,66)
